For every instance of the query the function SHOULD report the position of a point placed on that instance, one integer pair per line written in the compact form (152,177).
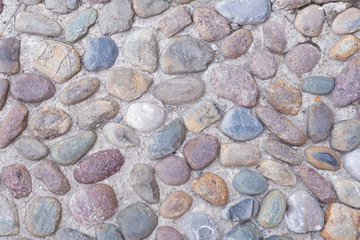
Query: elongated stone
(277,172)
(9,220)
(149,8)
(173,21)
(31,148)
(347,21)
(144,183)
(282,152)
(236,44)
(167,232)
(17,179)
(318,85)
(344,48)
(79,91)
(345,135)
(274,35)
(319,122)
(9,55)
(61,6)
(240,210)
(291,4)
(35,23)
(239,154)
(120,135)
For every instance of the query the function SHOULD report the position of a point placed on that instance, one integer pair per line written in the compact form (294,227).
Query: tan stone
(239,154)
(344,48)
(322,158)
(175,205)
(277,172)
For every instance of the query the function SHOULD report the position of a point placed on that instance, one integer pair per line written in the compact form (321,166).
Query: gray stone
(319,122)
(9,221)
(79,91)
(348,191)
(309,21)
(167,140)
(245,12)
(282,152)
(30,2)
(318,85)
(249,182)
(116,16)
(198,225)
(239,154)
(61,6)
(4,87)
(244,231)
(120,135)
(107,231)
(279,237)
(9,55)
(77,27)
(173,21)
(239,124)
(31,148)
(278,173)
(149,8)
(302,58)
(240,210)
(144,183)
(184,54)
(35,23)
(345,135)
(347,21)
(69,233)
(352,164)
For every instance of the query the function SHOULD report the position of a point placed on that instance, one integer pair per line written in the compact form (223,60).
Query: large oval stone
(249,182)
(79,91)
(239,124)
(198,225)
(173,170)
(347,21)
(239,154)
(345,135)
(31,148)
(302,58)
(120,135)
(42,216)
(322,158)
(240,210)
(272,209)
(175,205)
(17,180)
(49,122)
(99,166)
(277,172)
(282,152)
(77,27)
(93,204)
(9,220)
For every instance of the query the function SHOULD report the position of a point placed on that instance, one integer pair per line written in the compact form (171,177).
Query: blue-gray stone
(100,53)
(326,157)
(245,12)
(108,232)
(239,124)
(241,209)
(9,221)
(71,234)
(249,182)
(78,26)
(198,225)
(166,140)
(318,85)
(244,231)
(278,237)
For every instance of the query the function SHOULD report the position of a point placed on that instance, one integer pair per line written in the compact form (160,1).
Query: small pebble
(274,36)
(262,64)
(17,180)
(302,58)
(236,44)
(79,91)
(198,225)
(173,170)
(309,21)
(144,183)
(173,21)
(69,233)
(344,48)
(166,233)
(9,55)
(31,148)
(278,173)
(352,164)
(239,154)
(107,231)
(282,152)
(318,85)
(240,210)
(4,87)
(175,205)
(120,135)
(345,135)
(347,21)
(61,6)
(8,217)
(249,182)
(246,230)
(348,191)
(319,122)
(149,8)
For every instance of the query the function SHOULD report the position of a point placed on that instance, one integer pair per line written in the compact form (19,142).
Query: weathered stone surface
(240,210)
(145,116)
(318,85)
(281,127)
(137,221)
(79,91)
(272,209)
(107,231)
(93,204)
(198,225)
(9,55)
(120,135)
(96,112)
(69,233)
(201,115)
(341,222)
(239,154)
(347,21)
(201,151)
(17,180)
(56,60)
(50,174)
(246,230)
(274,36)
(178,91)
(175,205)
(31,88)
(149,8)
(249,182)
(282,152)
(233,83)
(61,6)
(303,213)
(141,50)
(209,24)
(348,191)
(69,150)
(167,140)
(31,148)
(144,183)
(236,44)
(344,48)
(277,172)
(116,16)
(100,53)
(35,23)
(345,135)
(309,21)
(166,232)
(210,187)
(279,237)
(13,124)
(9,221)
(173,21)
(49,122)
(302,58)
(244,12)
(352,164)
(184,54)
(291,4)
(99,166)
(316,184)
(42,216)
(283,97)
(4,87)
(127,84)
(262,64)
(319,122)
(347,84)
(173,170)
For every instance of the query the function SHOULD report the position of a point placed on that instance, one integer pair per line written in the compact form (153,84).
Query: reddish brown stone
(316,184)
(99,166)
(210,187)
(262,64)
(274,36)
(50,174)
(302,58)
(175,205)
(93,204)
(4,87)
(17,180)
(167,233)
(236,44)
(281,127)
(13,124)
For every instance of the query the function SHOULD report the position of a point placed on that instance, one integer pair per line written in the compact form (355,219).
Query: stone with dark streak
(322,158)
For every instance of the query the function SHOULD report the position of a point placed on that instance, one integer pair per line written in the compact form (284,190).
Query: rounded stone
(319,122)
(120,135)
(175,205)
(318,85)
(236,44)
(302,58)
(173,170)
(9,55)
(31,148)
(107,231)
(309,21)
(145,116)
(61,6)
(79,91)
(240,210)
(278,173)
(93,204)
(262,64)
(239,154)
(201,151)
(348,191)
(352,164)
(347,21)
(149,8)
(173,21)
(282,152)
(274,36)
(43,215)
(344,48)
(322,158)
(249,182)
(17,180)
(77,27)
(246,230)
(345,135)
(166,232)
(69,233)
(198,225)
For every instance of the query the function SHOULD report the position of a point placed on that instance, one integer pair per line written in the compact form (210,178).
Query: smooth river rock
(31,148)
(79,91)
(107,231)
(344,48)
(278,173)
(78,26)
(9,55)
(302,58)
(9,220)
(239,154)
(149,8)
(347,21)
(352,164)
(17,180)
(167,232)
(144,183)
(249,182)
(173,21)
(69,233)
(274,36)
(348,191)
(120,135)
(282,152)
(240,210)
(262,64)
(236,44)
(173,170)
(322,157)
(175,205)
(198,225)
(4,87)
(345,135)
(246,230)
(61,6)
(309,21)
(318,85)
